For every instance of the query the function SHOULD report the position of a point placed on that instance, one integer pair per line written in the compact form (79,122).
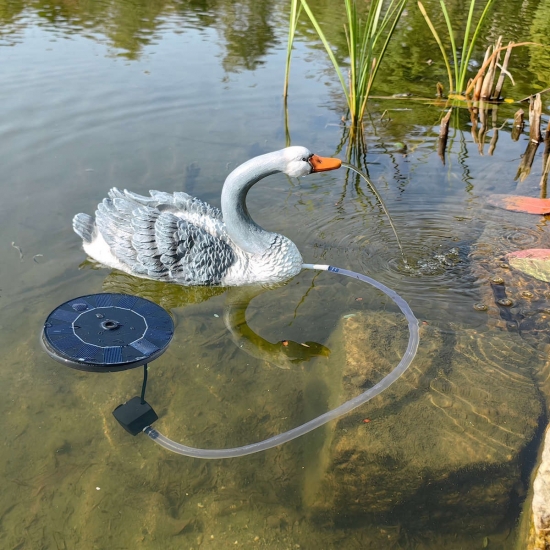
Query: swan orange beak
(323,164)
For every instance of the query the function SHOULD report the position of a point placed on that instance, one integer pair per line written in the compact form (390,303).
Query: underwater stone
(442,444)
(540,506)
(534,262)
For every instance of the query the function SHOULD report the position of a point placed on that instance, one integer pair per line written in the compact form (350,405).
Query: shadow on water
(284,354)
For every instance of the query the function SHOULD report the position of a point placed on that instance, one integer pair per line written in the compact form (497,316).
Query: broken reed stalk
(503,71)
(487,86)
(494,138)
(443,134)
(473,119)
(524,169)
(488,60)
(527,159)
(535,112)
(479,83)
(519,123)
(479,114)
(483,112)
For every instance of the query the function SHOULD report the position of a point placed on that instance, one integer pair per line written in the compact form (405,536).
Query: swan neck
(242,229)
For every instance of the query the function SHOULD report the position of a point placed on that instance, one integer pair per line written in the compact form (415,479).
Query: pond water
(172,96)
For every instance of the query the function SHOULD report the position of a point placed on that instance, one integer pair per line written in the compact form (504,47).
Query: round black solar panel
(107,332)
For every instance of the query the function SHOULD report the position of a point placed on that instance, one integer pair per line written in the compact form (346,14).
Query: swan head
(300,161)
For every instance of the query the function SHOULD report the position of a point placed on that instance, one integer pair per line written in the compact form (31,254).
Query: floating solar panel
(107,332)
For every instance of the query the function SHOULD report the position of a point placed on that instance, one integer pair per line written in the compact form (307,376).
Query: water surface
(172,96)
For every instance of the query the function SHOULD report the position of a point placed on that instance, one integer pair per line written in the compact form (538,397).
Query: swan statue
(180,239)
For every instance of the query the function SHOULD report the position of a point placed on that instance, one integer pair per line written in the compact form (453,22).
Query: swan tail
(84,226)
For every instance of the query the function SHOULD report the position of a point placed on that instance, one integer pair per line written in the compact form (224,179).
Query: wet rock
(534,262)
(441,447)
(540,506)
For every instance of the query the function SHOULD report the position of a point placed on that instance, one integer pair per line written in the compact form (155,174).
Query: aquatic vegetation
(367,41)
(295,10)
(482,85)
(460,59)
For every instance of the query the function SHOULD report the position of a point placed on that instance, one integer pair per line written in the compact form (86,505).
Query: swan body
(180,239)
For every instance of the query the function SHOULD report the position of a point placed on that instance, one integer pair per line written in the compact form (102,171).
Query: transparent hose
(326,417)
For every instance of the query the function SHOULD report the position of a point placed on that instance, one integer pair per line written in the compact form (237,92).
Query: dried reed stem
(443,134)
(527,159)
(479,84)
(483,111)
(473,120)
(487,87)
(535,111)
(519,124)
(494,139)
(481,72)
(503,71)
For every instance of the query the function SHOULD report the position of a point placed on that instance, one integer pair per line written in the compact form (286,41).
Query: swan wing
(154,239)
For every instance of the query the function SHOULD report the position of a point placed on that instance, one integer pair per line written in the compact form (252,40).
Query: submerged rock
(440,449)
(534,262)
(540,532)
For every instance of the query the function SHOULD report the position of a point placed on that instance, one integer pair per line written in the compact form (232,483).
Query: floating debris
(519,124)
(518,203)
(19,249)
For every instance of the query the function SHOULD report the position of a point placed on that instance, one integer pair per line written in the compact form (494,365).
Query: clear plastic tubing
(346,407)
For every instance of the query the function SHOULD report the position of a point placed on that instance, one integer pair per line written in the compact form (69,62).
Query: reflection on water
(247,29)
(172,96)
(284,354)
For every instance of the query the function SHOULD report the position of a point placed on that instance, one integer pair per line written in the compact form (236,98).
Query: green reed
(367,40)
(295,10)
(460,58)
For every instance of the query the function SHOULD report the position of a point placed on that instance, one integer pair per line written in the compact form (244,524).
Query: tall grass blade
(453,44)
(465,60)
(439,43)
(363,44)
(461,60)
(393,16)
(327,48)
(295,10)
(466,37)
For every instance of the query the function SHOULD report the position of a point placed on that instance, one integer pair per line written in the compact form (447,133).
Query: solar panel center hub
(110,326)
(107,332)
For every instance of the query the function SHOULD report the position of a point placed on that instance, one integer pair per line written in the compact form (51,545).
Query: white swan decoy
(180,239)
